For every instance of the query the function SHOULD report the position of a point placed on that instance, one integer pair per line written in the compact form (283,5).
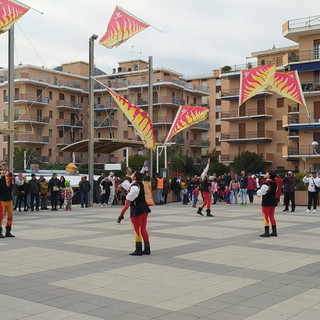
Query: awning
(102,145)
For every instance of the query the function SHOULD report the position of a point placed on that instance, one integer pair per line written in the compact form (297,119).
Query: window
(279,125)
(60,133)
(218,128)
(50,114)
(99,100)
(194,100)
(61,96)
(279,147)
(50,95)
(187,135)
(111,134)
(99,134)
(5,95)
(187,99)
(50,152)
(280,102)
(50,133)
(125,134)
(61,115)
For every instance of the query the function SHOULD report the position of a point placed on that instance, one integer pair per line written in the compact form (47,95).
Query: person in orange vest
(159,188)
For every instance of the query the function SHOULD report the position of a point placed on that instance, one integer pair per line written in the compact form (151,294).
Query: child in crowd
(195,195)
(68,194)
(227,195)
(185,199)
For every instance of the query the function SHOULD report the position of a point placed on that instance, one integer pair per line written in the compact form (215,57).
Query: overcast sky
(195,37)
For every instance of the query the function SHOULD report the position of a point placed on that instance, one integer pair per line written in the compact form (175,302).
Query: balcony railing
(302,119)
(28,138)
(266,135)
(199,143)
(306,55)
(29,98)
(25,118)
(106,123)
(162,120)
(69,123)
(303,22)
(69,105)
(234,92)
(204,126)
(160,100)
(247,113)
(67,140)
(267,157)
(310,86)
(111,106)
(301,151)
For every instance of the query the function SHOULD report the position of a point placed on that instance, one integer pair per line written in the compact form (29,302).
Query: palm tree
(19,153)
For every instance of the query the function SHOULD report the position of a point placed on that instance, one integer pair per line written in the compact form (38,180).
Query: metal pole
(157,158)
(91,117)
(150,107)
(11,99)
(127,157)
(165,157)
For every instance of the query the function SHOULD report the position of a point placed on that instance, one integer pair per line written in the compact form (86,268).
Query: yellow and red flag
(254,81)
(139,119)
(186,117)
(288,85)
(122,26)
(10,12)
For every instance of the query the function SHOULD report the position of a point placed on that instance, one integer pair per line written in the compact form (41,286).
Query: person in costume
(204,188)
(139,211)
(6,199)
(68,195)
(268,191)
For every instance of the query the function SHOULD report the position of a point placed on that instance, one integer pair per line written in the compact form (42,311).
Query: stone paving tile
(76,266)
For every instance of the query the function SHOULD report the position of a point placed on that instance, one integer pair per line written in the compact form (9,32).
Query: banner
(139,119)
(10,12)
(122,26)
(254,81)
(186,117)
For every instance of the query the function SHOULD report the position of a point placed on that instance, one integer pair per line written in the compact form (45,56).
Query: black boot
(8,232)
(138,251)
(285,209)
(209,213)
(200,211)
(274,232)
(266,232)
(1,235)
(146,250)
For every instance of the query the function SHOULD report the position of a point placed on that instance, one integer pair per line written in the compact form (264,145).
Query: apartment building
(51,109)
(268,124)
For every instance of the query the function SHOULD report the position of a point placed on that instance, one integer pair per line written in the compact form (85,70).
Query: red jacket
(252,185)
(279,183)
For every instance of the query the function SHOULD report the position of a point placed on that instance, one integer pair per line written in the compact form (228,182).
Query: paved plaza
(75,265)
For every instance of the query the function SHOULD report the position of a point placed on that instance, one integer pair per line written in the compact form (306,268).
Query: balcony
(29,99)
(228,158)
(105,159)
(101,124)
(68,159)
(162,121)
(252,113)
(311,88)
(28,139)
(26,118)
(67,105)
(247,136)
(231,94)
(68,123)
(299,121)
(174,139)
(64,141)
(202,126)
(160,101)
(108,107)
(199,143)
(301,151)
(294,29)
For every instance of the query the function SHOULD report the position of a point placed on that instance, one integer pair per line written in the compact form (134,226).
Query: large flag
(288,85)
(10,12)
(254,81)
(186,117)
(122,26)
(139,119)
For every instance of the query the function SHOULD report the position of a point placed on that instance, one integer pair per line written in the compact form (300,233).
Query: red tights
(206,200)
(139,225)
(268,216)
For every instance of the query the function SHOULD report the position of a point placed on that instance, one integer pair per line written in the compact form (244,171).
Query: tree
(216,166)
(249,162)
(32,156)
(135,162)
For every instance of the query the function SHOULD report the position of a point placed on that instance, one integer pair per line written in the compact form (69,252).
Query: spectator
(243,188)
(34,190)
(289,188)
(18,181)
(313,185)
(112,179)
(166,190)
(105,186)
(175,187)
(214,190)
(185,197)
(195,195)
(22,187)
(234,188)
(251,187)
(159,188)
(61,193)
(54,188)
(68,194)
(227,195)
(84,186)
(279,183)
(43,193)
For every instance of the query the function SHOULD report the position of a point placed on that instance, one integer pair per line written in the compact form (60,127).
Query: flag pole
(11,98)
(91,117)
(150,107)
